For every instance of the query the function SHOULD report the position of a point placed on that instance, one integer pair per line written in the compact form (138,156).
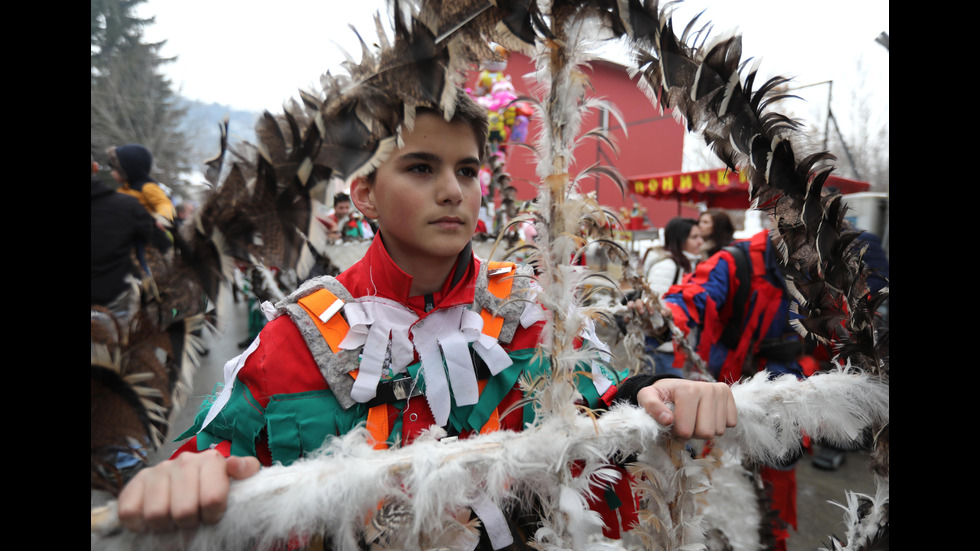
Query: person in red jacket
(738,303)
(393,318)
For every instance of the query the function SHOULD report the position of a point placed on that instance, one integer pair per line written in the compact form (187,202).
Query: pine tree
(132,101)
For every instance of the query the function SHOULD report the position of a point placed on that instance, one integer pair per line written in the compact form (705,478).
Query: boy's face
(341,208)
(426,196)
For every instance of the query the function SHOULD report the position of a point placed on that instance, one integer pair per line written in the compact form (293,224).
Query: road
(818,518)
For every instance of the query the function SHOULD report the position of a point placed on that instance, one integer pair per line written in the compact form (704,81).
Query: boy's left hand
(701,409)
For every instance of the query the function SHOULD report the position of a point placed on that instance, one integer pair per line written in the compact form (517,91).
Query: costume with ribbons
(760,337)
(339,352)
(707,301)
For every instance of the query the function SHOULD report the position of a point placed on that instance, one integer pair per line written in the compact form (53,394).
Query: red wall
(654,142)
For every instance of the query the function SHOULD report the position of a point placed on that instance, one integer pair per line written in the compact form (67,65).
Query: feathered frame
(357,121)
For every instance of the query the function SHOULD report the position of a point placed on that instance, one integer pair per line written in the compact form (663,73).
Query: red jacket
(705,300)
(280,385)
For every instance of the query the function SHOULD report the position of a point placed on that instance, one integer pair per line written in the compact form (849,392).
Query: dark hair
(467,111)
(675,234)
(722,231)
(471,113)
(341,197)
(133,162)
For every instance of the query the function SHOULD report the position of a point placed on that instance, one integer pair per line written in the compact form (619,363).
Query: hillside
(201,126)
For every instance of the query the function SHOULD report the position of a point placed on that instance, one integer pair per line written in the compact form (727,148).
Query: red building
(652,143)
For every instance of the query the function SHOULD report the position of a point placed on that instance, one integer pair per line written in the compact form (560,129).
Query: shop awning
(717,188)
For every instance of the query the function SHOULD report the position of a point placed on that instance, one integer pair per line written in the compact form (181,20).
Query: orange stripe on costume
(499,286)
(334,329)
(493,423)
(377,425)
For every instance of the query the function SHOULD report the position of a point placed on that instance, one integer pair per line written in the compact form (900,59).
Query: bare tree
(865,142)
(131,100)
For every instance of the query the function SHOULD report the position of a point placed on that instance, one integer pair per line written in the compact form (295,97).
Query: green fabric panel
(413,372)
(473,417)
(205,441)
(284,437)
(244,435)
(534,368)
(395,436)
(497,388)
(198,421)
(300,423)
(202,413)
(585,385)
(612,499)
(583,380)
(240,421)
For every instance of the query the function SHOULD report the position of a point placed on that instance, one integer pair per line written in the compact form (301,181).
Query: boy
(418,276)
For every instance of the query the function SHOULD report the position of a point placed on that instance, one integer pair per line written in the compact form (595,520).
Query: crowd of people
(422,264)
(420,210)
(420,222)
(345,223)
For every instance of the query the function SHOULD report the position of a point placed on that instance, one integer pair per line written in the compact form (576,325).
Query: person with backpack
(737,309)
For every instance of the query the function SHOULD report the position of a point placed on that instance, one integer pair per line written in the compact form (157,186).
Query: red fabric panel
(624,517)
(783,494)
(282,363)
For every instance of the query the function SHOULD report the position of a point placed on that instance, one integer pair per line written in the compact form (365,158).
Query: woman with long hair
(680,253)
(717,230)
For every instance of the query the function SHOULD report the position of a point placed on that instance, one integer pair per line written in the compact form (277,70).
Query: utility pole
(604,122)
(830,117)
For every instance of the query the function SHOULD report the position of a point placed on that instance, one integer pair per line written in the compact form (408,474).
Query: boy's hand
(701,409)
(182,492)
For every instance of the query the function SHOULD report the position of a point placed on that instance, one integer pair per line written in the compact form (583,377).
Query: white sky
(250,55)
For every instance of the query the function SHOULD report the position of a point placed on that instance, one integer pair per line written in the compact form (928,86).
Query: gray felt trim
(333,367)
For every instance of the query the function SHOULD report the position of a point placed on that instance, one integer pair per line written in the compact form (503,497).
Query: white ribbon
(269,310)
(440,335)
(532,313)
(444,336)
(374,322)
(441,339)
(599,378)
(493,520)
(486,346)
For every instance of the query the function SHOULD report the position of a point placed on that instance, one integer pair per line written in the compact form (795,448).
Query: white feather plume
(334,491)
(866,518)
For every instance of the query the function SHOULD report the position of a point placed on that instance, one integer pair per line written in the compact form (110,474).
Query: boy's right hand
(182,492)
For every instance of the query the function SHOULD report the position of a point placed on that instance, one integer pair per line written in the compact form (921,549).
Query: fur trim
(437,478)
